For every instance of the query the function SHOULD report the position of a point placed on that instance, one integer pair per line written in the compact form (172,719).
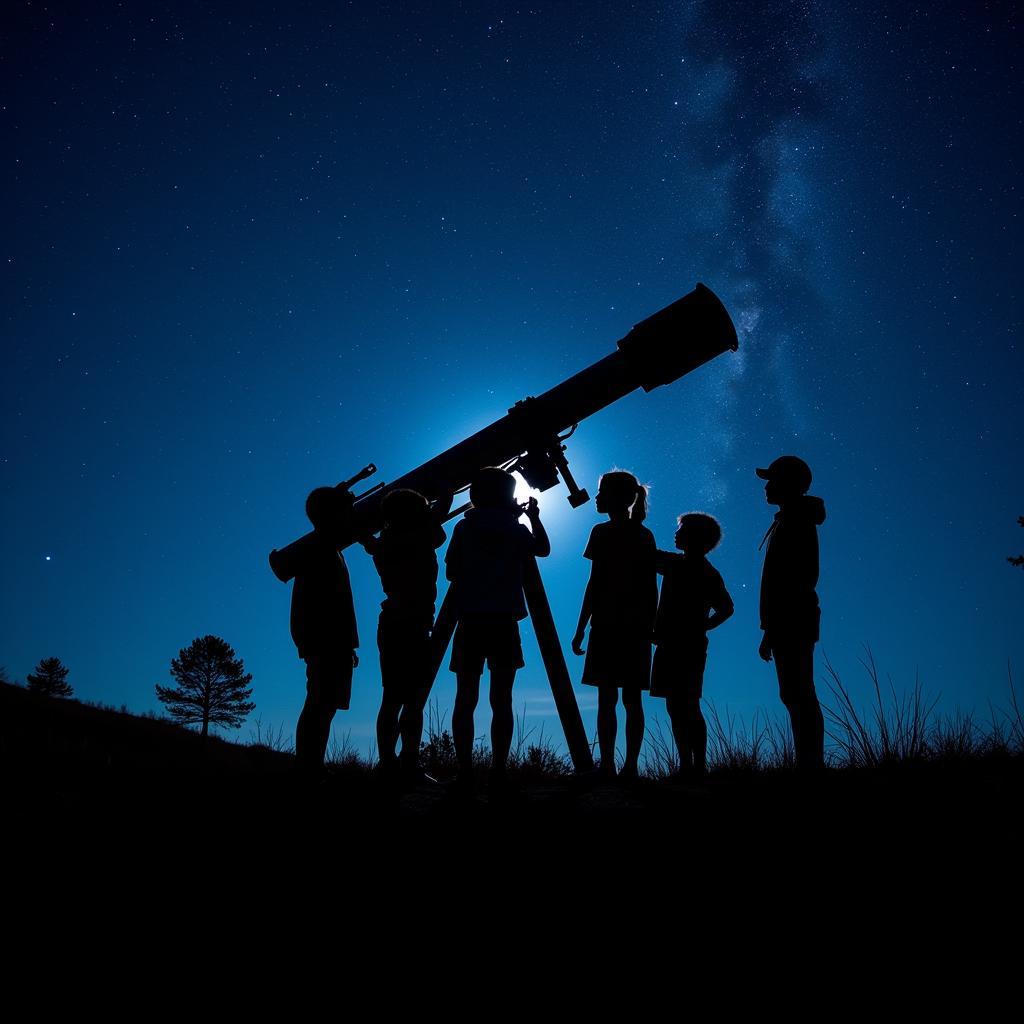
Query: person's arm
(662,561)
(577,640)
(723,609)
(541,546)
(443,506)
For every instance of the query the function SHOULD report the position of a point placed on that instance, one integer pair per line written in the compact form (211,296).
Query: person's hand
(532,510)
(355,660)
(765,650)
(444,504)
(577,644)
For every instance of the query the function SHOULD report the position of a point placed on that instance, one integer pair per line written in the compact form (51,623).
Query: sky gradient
(249,249)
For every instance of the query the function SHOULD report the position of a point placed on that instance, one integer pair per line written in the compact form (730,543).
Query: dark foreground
(84,780)
(125,833)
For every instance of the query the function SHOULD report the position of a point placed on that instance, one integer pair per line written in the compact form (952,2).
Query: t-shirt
(323,617)
(690,588)
(407,566)
(623,584)
(485,562)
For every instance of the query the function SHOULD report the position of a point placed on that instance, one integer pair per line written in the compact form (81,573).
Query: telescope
(529,440)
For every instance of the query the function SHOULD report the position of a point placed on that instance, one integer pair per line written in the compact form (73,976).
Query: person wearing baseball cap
(790,613)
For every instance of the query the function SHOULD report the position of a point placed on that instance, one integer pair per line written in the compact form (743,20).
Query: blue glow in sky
(248,251)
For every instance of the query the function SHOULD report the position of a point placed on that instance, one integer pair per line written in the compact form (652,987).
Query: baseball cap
(788,469)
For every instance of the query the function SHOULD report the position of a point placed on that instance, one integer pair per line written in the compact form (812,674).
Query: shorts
(329,679)
(484,638)
(679,669)
(405,657)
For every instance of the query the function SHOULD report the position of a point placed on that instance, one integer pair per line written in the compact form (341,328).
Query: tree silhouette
(50,679)
(1017,559)
(212,685)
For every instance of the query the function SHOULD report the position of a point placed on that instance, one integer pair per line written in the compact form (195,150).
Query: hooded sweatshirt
(789,601)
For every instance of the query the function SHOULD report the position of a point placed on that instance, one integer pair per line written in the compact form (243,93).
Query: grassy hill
(74,759)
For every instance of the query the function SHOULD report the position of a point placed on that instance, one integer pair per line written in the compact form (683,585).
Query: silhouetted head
(493,488)
(404,509)
(328,510)
(788,477)
(698,533)
(619,492)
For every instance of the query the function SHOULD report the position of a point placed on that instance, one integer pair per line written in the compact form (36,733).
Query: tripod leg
(554,664)
(441,637)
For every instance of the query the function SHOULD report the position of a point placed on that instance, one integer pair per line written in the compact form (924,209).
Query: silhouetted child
(323,625)
(620,604)
(691,590)
(790,614)
(405,559)
(485,562)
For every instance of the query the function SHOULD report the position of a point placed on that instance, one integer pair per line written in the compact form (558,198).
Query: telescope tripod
(551,653)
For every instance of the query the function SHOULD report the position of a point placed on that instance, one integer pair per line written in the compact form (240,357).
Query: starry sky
(249,248)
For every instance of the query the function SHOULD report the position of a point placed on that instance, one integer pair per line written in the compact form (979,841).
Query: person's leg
(410,725)
(607,726)
(675,706)
(391,669)
(501,716)
(467,693)
(324,687)
(632,701)
(696,730)
(794,665)
(312,734)
(414,691)
(387,728)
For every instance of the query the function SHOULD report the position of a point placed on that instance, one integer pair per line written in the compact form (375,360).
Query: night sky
(249,248)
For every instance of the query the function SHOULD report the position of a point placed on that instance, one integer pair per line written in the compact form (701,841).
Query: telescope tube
(657,351)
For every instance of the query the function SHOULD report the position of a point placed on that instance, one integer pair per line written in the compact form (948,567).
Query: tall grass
(894,728)
(732,747)
(270,738)
(342,753)
(885,728)
(533,754)
(888,728)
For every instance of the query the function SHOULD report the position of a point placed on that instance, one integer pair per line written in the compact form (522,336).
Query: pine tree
(50,679)
(212,686)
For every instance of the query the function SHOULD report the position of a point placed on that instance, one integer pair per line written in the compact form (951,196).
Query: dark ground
(123,831)
(73,770)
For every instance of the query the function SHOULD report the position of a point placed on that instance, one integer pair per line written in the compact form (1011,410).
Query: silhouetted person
(693,601)
(485,565)
(790,614)
(620,603)
(323,624)
(405,559)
